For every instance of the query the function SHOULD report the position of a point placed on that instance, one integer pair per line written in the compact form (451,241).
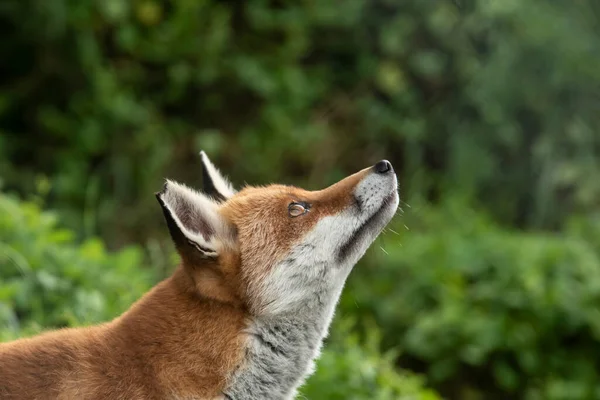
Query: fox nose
(383,167)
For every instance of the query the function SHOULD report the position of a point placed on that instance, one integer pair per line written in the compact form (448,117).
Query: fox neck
(282,346)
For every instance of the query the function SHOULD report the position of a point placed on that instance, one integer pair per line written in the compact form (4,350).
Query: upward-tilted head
(243,317)
(276,248)
(282,254)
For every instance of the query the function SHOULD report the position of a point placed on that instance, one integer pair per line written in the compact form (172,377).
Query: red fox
(243,316)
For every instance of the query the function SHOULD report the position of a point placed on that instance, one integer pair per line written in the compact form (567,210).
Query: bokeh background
(487,285)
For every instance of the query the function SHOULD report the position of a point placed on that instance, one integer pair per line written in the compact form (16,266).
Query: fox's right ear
(196,227)
(214,184)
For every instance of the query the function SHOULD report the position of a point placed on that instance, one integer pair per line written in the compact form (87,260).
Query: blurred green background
(487,286)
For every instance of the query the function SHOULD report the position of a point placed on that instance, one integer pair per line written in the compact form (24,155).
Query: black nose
(383,167)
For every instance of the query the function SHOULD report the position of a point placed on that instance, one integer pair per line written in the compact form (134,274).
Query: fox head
(276,248)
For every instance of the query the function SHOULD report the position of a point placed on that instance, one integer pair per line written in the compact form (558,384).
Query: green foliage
(494,99)
(495,102)
(351,369)
(489,311)
(47,280)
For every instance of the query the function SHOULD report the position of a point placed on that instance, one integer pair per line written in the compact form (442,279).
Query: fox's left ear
(196,227)
(214,184)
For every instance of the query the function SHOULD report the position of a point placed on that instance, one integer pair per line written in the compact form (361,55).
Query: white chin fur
(298,299)
(314,267)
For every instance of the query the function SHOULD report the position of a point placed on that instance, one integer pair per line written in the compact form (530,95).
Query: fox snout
(378,188)
(364,191)
(375,202)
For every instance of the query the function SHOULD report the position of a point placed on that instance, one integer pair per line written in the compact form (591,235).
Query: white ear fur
(196,218)
(215,184)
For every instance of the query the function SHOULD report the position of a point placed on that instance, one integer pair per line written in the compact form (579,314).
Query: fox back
(244,315)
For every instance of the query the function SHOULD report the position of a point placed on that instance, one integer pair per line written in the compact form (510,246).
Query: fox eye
(297,209)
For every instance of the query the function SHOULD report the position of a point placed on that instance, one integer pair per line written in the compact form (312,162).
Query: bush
(487,312)
(351,369)
(493,99)
(48,280)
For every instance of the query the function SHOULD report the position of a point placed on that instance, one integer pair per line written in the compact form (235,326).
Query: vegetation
(488,312)
(488,110)
(48,281)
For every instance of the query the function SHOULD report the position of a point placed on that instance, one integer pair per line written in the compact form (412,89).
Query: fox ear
(214,184)
(196,227)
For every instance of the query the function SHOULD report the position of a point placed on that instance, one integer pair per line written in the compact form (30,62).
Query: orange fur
(171,336)
(264,230)
(186,336)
